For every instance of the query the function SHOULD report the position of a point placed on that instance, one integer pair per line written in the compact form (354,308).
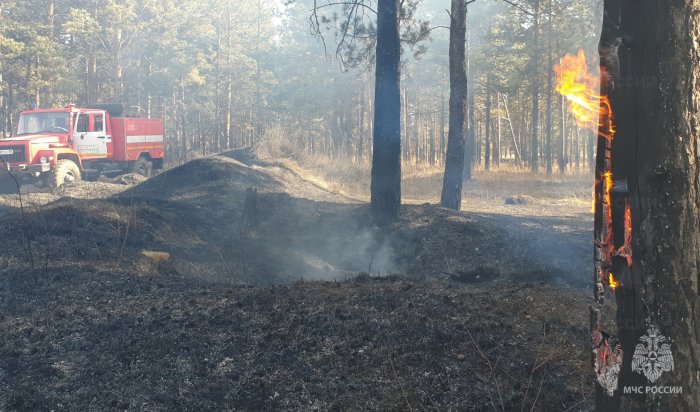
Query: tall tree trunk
(51,19)
(470,146)
(518,157)
(550,64)
(497,149)
(487,133)
(229,84)
(361,131)
(217,81)
(454,161)
(406,128)
(591,149)
(3,101)
(431,140)
(654,156)
(386,156)
(534,152)
(562,133)
(443,136)
(118,69)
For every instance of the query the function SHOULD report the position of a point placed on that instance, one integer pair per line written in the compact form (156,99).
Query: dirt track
(96,325)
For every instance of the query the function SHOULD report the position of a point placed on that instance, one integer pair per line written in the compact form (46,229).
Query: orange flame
(607,212)
(626,249)
(592,110)
(581,89)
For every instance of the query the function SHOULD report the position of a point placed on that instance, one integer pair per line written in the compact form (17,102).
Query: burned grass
(119,341)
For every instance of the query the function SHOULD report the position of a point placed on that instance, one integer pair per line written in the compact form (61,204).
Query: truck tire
(143,166)
(65,172)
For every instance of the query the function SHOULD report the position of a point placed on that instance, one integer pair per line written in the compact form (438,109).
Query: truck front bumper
(24,170)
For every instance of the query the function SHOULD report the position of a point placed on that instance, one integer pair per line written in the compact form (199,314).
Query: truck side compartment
(134,137)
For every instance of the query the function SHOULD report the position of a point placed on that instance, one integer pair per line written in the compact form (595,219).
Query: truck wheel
(65,172)
(144,167)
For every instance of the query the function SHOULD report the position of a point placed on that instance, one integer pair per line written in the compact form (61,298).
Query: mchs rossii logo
(652,357)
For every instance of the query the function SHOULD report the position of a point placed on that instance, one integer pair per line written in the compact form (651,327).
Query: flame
(606,233)
(581,89)
(626,249)
(593,110)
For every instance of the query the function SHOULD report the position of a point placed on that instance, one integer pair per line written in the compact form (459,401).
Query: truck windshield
(48,122)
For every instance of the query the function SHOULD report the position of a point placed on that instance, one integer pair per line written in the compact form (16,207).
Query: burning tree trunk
(655,95)
(647,218)
(454,161)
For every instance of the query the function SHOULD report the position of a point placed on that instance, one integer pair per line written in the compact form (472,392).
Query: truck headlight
(44,159)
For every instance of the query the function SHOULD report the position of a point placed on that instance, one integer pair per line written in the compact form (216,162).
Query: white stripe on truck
(144,139)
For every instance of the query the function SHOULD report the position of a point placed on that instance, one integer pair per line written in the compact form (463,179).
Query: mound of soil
(222,220)
(128,179)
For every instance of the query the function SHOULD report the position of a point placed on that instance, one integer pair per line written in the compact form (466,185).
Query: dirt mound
(224,221)
(128,179)
(205,173)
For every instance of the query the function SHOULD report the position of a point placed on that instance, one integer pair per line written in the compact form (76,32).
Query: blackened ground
(110,341)
(459,312)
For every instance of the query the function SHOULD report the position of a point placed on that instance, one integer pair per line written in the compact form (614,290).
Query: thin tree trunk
(454,162)
(361,132)
(443,136)
(487,134)
(217,81)
(229,85)
(406,128)
(497,151)
(550,64)
(518,158)
(534,152)
(470,146)
(562,133)
(386,158)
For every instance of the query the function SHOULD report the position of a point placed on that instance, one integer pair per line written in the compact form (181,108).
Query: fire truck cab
(59,146)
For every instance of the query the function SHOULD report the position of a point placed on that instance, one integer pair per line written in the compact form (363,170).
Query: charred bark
(650,55)
(386,157)
(454,160)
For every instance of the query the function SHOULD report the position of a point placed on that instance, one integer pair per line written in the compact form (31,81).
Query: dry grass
(423,183)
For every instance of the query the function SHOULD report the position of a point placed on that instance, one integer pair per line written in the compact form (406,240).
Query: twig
(539,390)
(532,373)
(396,376)
(126,234)
(491,369)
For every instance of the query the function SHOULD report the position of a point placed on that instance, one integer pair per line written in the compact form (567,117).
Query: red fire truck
(59,146)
